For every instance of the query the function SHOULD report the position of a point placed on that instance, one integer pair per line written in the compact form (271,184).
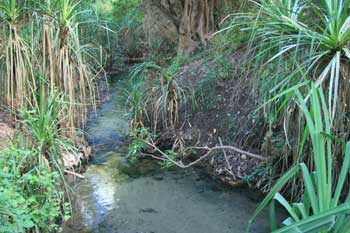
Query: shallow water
(118,197)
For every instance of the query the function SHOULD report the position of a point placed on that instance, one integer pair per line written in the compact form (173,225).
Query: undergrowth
(29,194)
(48,71)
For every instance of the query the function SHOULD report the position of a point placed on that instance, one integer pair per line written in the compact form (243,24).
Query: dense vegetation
(48,74)
(297,50)
(295,56)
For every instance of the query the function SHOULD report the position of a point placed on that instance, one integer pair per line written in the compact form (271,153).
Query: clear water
(117,197)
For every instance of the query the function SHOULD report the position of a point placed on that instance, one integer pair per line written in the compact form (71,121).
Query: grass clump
(155,96)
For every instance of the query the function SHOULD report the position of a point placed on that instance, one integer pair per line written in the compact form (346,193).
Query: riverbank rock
(71,160)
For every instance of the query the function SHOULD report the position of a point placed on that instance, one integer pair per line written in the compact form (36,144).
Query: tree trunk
(196,24)
(185,23)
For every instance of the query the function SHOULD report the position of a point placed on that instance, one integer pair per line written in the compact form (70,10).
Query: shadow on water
(119,197)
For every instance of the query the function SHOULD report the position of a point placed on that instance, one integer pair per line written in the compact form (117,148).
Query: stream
(119,197)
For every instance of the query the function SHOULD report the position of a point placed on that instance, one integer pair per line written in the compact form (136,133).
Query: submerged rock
(148,210)
(158,178)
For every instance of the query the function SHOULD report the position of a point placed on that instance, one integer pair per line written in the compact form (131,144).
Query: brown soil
(229,117)
(6,130)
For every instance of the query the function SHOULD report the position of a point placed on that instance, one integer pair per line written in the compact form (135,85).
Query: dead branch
(229,170)
(209,150)
(235,149)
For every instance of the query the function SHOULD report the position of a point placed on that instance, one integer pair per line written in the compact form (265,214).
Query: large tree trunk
(184,23)
(196,24)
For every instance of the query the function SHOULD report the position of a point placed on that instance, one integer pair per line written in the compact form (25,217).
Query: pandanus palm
(75,76)
(41,39)
(16,59)
(321,208)
(293,42)
(297,40)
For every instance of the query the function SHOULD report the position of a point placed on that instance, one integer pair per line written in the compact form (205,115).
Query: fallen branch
(232,148)
(229,170)
(209,150)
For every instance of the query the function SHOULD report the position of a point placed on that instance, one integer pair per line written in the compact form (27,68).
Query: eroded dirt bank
(224,113)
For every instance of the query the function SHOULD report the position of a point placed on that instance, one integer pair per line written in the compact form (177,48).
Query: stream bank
(120,197)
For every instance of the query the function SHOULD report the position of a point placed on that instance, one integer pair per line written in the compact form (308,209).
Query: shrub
(29,198)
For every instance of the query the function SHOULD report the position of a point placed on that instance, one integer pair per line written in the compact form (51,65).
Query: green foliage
(47,74)
(31,180)
(320,209)
(127,13)
(43,121)
(29,198)
(68,11)
(139,138)
(293,41)
(136,92)
(166,164)
(10,9)
(139,135)
(124,34)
